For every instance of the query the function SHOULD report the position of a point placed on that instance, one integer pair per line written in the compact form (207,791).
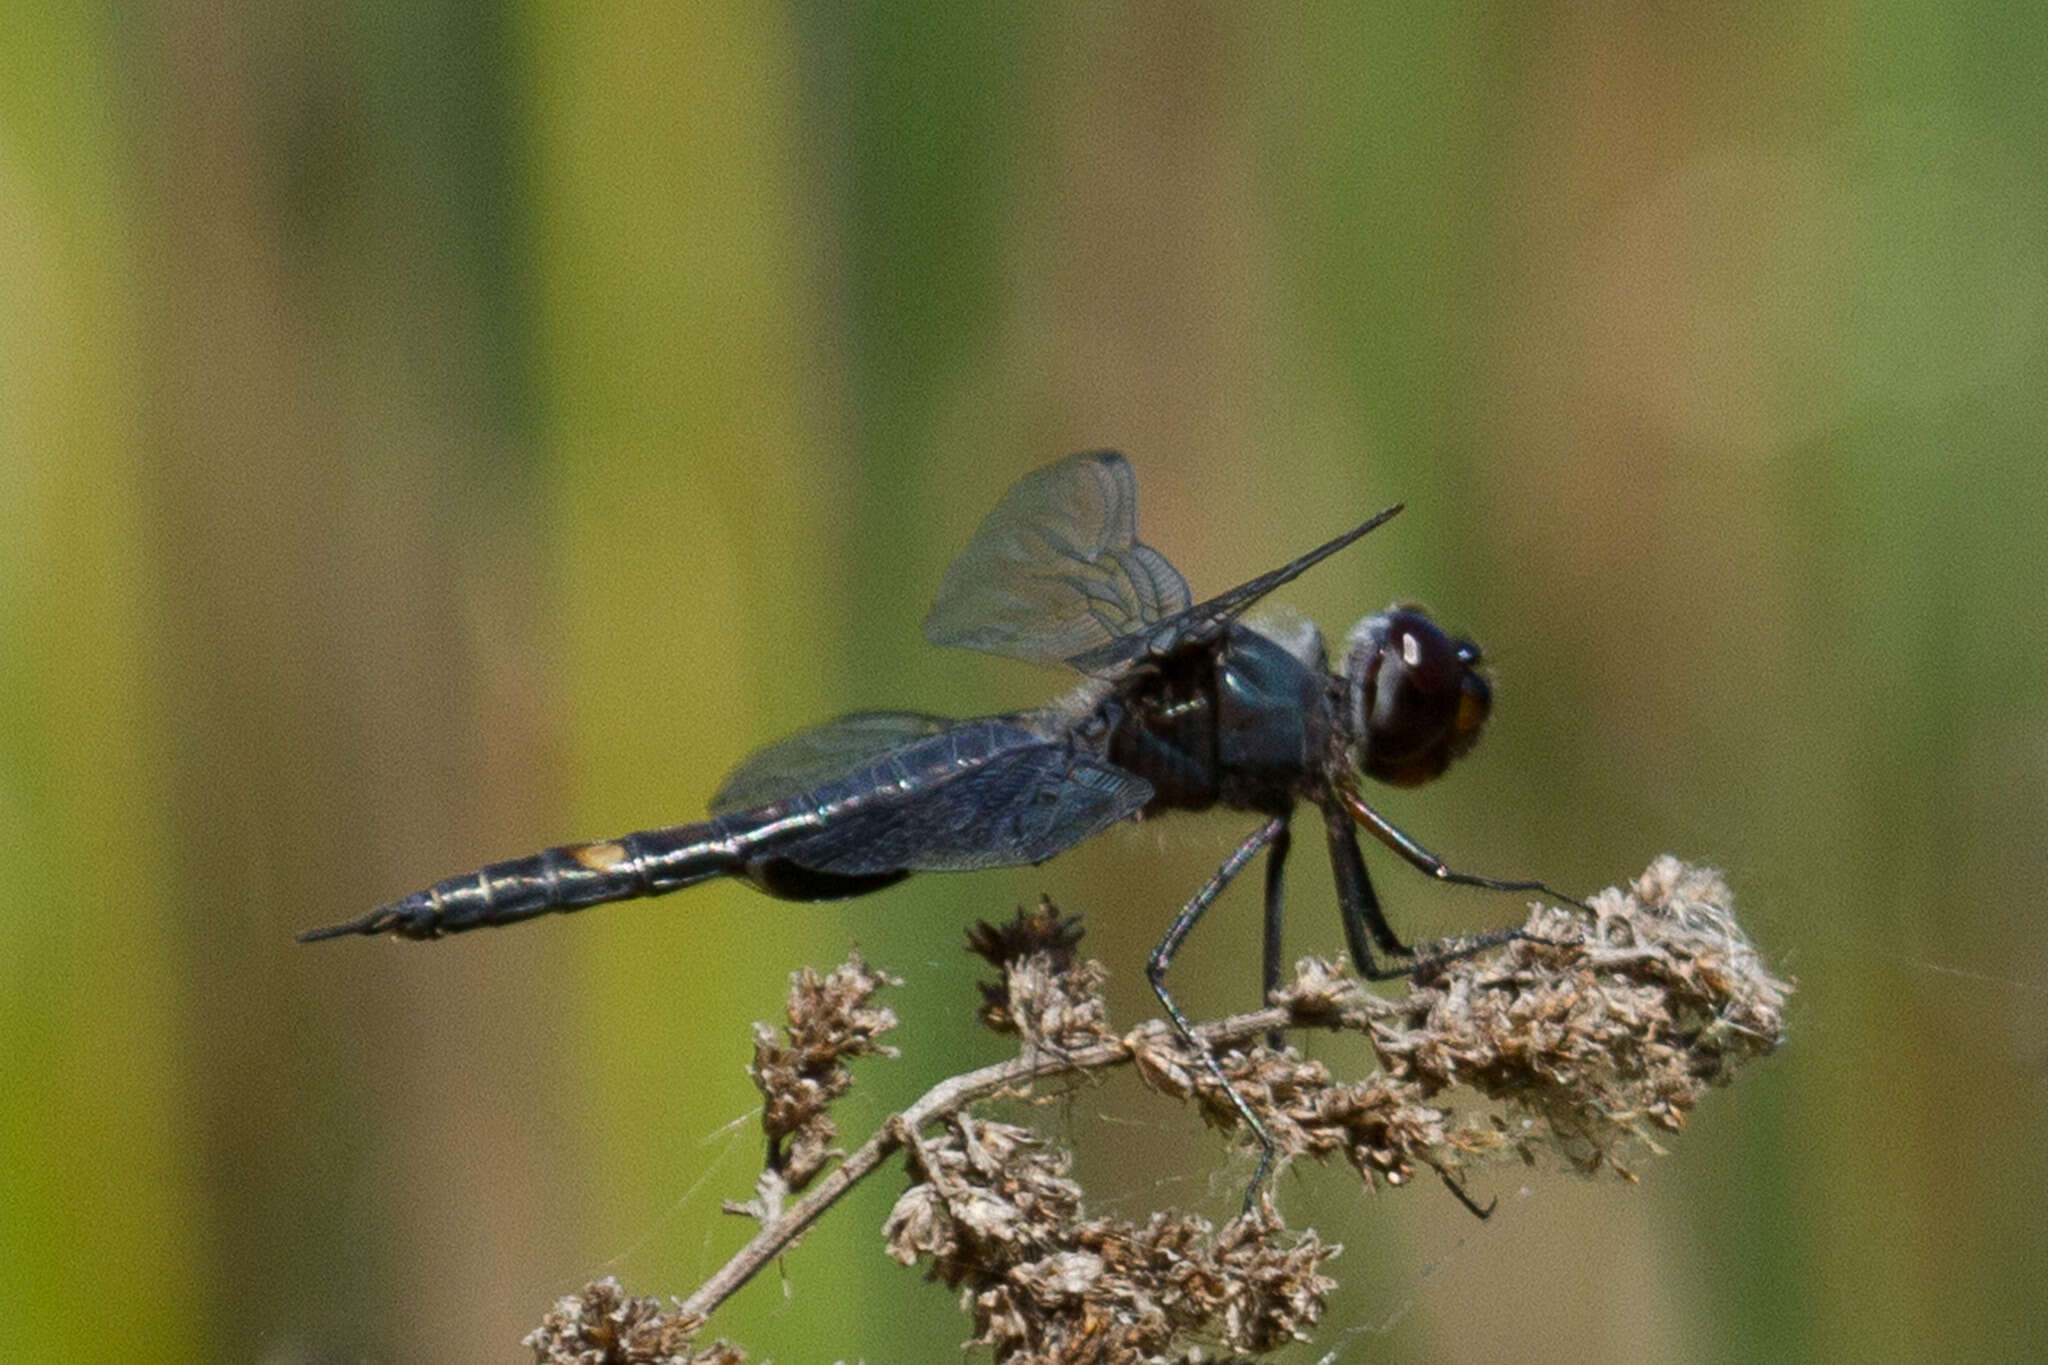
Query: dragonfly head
(1416,697)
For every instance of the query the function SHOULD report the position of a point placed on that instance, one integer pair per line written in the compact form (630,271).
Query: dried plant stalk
(1583,1040)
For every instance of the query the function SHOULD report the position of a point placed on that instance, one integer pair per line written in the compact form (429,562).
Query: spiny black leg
(1364,924)
(1359,908)
(1276,912)
(1162,958)
(1458,1191)
(1440,952)
(1387,833)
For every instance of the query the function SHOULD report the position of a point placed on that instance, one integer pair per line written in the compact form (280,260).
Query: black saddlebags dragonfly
(1182,707)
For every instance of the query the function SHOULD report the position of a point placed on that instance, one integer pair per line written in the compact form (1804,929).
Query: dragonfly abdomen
(561,879)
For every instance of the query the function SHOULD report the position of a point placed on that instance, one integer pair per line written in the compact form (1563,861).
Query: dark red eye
(1418,696)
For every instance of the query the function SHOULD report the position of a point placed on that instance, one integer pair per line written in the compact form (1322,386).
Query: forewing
(1206,620)
(1056,570)
(813,758)
(981,795)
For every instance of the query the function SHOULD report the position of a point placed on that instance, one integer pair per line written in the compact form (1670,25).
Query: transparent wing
(812,758)
(985,793)
(1206,620)
(1056,570)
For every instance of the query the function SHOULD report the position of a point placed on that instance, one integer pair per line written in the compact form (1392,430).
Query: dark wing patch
(812,758)
(985,794)
(1056,569)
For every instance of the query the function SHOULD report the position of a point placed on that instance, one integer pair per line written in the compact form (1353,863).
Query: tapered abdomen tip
(402,918)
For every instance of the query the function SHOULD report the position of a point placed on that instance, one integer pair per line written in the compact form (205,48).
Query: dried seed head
(1041,929)
(1579,1039)
(1045,995)
(602,1325)
(1599,1030)
(994,1213)
(830,1020)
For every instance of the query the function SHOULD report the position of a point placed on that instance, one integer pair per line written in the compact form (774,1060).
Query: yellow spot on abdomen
(599,857)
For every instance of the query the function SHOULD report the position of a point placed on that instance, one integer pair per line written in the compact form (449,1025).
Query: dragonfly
(1180,706)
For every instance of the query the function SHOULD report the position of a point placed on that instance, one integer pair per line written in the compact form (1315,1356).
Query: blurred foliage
(433,432)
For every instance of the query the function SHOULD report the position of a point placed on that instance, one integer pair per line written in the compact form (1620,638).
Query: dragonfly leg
(1395,838)
(1482,1213)
(1162,958)
(1276,913)
(1361,908)
(1364,923)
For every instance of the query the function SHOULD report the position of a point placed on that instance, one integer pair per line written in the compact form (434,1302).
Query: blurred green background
(433,432)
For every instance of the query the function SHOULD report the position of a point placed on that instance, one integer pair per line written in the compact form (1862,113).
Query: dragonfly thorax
(1240,724)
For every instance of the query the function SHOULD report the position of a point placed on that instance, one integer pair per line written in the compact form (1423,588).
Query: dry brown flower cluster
(1583,1035)
(996,1215)
(831,1020)
(1606,1031)
(604,1325)
(1045,995)
(1581,1039)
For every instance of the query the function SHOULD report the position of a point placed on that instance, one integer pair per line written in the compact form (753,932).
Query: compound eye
(1429,663)
(1422,698)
